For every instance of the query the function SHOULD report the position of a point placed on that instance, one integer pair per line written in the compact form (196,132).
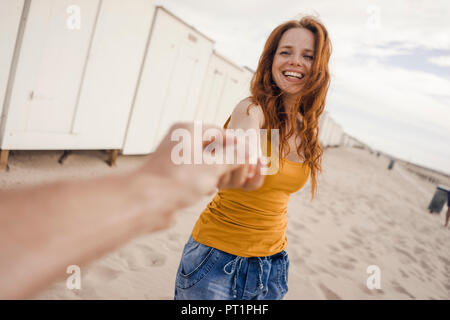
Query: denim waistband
(235,265)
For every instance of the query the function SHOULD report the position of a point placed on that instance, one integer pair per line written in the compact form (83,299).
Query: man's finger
(224,180)
(238,177)
(256,181)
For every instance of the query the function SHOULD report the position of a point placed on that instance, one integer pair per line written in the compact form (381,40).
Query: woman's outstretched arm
(250,120)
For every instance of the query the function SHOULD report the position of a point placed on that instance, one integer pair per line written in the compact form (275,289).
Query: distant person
(447,216)
(391,164)
(237,246)
(46,228)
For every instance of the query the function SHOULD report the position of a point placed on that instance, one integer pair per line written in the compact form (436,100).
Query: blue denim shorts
(206,273)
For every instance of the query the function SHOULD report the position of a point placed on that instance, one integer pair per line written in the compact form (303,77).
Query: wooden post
(64,156)
(3,159)
(112,157)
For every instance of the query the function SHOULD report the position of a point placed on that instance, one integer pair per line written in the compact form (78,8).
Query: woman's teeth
(293,74)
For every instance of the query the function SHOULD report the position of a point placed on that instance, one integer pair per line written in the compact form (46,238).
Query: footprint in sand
(306,252)
(371,255)
(345,245)
(426,230)
(102,273)
(297,259)
(447,286)
(298,225)
(356,240)
(150,259)
(405,254)
(391,223)
(174,242)
(313,220)
(382,229)
(357,232)
(419,250)
(337,222)
(342,264)
(144,257)
(404,274)
(401,241)
(329,295)
(309,271)
(333,248)
(400,289)
(350,259)
(444,260)
(293,235)
(296,256)
(428,270)
(324,270)
(439,241)
(370,291)
(370,204)
(86,292)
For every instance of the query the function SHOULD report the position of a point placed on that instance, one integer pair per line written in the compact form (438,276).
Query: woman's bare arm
(241,120)
(247,177)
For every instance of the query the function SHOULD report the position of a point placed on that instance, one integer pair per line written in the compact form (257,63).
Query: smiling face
(292,60)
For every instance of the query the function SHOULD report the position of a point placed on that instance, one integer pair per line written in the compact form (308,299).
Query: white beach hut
(325,126)
(330,132)
(171,80)
(248,76)
(225,84)
(337,135)
(69,71)
(322,121)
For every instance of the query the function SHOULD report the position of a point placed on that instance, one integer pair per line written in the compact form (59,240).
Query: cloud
(394,110)
(443,61)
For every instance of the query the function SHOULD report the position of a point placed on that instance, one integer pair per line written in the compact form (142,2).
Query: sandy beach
(364,214)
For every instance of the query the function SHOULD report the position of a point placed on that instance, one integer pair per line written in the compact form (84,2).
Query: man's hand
(247,177)
(197,180)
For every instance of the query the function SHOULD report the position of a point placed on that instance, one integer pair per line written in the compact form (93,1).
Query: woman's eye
(284,52)
(309,57)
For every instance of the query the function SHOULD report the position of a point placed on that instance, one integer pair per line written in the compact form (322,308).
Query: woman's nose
(296,60)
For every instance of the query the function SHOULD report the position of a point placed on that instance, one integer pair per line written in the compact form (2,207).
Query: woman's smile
(293,76)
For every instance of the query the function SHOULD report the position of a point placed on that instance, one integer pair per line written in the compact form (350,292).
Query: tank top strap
(226,122)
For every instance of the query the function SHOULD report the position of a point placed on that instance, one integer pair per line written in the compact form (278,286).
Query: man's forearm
(47,228)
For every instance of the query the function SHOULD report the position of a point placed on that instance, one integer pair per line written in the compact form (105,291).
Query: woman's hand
(247,177)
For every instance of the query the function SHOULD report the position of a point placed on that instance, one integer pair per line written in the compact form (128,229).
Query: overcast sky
(390,65)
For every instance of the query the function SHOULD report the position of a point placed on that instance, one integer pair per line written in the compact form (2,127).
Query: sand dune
(363,215)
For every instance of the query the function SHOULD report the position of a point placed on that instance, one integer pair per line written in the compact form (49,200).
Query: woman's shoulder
(247,108)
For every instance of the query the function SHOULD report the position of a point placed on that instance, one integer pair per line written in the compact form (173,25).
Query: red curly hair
(310,102)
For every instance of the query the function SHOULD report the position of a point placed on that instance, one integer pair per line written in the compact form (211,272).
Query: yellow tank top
(252,223)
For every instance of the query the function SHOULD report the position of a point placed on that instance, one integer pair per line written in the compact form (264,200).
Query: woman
(237,247)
